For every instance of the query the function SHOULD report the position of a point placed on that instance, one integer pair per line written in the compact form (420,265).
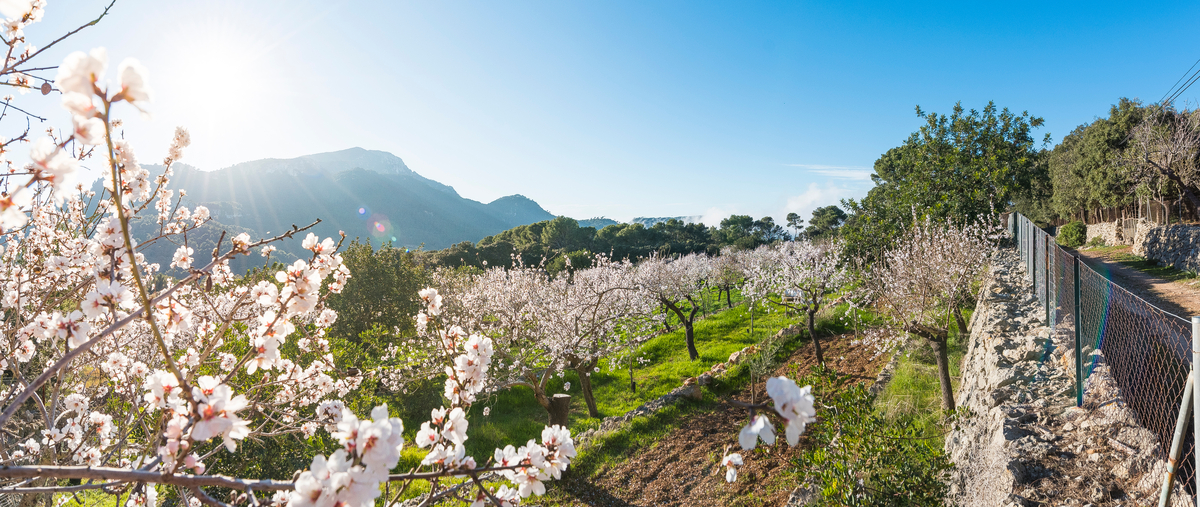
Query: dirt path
(682,468)
(1181,298)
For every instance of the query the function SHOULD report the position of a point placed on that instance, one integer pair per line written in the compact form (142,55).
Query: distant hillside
(517,209)
(598,222)
(650,221)
(368,194)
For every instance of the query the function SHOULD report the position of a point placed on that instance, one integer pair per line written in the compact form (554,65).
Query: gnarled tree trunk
(937,339)
(812,333)
(585,384)
(689,331)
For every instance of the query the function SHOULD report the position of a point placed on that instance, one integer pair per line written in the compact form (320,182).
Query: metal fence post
(1049,259)
(1033,262)
(1195,401)
(1078,347)
(1173,460)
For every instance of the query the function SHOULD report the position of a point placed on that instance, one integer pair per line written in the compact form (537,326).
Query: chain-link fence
(1147,349)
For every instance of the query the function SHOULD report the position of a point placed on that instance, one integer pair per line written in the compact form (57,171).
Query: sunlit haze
(617,109)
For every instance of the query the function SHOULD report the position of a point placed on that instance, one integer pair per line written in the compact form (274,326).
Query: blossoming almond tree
(674,282)
(926,278)
(727,273)
(801,276)
(127,391)
(543,325)
(593,314)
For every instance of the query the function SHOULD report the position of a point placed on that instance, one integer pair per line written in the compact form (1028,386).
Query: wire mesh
(1063,315)
(1039,266)
(1148,352)
(1147,349)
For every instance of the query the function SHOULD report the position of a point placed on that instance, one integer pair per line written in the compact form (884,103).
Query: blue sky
(619,109)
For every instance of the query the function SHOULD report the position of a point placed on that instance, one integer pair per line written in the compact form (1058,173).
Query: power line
(1160,101)
(1185,87)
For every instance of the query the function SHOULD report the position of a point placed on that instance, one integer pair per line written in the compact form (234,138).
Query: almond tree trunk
(689,331)
(962,323)
(937,339)
(812,333)
(585,383)
(943,365)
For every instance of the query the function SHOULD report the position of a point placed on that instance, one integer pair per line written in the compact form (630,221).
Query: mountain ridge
(368,194)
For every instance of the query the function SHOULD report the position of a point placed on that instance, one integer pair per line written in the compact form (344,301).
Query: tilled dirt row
(683,467)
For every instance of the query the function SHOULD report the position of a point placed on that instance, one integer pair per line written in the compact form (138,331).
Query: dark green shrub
(875,462)
(1072,235)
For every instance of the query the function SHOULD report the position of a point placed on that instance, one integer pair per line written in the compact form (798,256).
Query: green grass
(1121,255)
(914,391)
(515,416)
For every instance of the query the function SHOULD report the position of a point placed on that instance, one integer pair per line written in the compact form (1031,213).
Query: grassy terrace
(1122,255)
(914,391)
(515,416)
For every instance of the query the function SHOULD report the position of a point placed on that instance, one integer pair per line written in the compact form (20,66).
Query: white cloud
(817,196)
(713,216)
(840,172)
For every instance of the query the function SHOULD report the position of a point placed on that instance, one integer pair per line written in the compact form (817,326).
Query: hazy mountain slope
(518,209)
(368,194)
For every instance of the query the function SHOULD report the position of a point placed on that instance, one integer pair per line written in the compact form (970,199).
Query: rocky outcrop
(1025,442)
(1177,246)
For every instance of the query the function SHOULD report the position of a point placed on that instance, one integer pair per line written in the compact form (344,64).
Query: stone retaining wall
(1025,443)
(1171,245)
(1109,232)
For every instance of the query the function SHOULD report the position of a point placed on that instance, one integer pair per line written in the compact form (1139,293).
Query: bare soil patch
(684,467)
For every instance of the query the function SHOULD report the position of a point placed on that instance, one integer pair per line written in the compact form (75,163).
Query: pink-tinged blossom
(193,461)
(89,131)
(729,462)
(426,436)
(455,427)
(241,242)
(759,427)
(54,166)
(793,403)
(264,293)
(217,407)
(80,70)
(182,140)
(15,9)
(12,208)
(134,86)
(318,246)
(25,351)
(163,389)
(75,402)
(200,215)
(183,257)
(433,301)
(79,104)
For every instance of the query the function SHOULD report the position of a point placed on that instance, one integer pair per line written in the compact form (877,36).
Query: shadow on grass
(914,392)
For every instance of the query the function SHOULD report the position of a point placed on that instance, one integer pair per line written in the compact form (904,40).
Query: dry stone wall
(1109,232)
(1025,443)
(1171,245)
